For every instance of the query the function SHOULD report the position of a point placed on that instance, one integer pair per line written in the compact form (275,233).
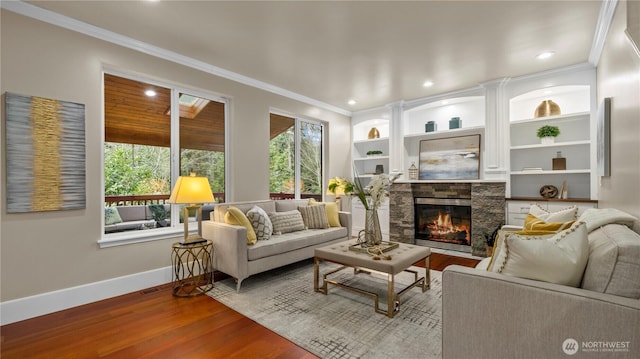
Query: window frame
(177,229)
(297,135)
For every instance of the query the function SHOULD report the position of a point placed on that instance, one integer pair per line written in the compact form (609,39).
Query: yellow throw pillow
(536,226)
(332,212)
(236,217)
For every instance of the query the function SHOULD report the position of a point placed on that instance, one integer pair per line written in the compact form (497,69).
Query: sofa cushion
(559,259)
(279,244)
(333,213)
(111,216)
(314,217)
(221,209)
(614,261)
(285,222)
(260,222)
(286,205)
(132,213)
(237,217)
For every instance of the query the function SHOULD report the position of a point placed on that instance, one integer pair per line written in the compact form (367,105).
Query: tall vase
(372,233)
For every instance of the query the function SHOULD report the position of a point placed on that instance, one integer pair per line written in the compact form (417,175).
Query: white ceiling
(376,52)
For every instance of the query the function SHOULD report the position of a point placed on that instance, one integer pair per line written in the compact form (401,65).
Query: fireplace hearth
(443,220)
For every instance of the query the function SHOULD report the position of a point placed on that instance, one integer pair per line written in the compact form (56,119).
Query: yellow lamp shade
(192,189)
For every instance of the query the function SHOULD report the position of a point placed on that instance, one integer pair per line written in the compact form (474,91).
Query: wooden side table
(192,268)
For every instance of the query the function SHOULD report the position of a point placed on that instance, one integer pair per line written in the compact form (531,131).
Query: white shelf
(378,158)
(381,140)
(558,118)
(551,172)
(556,144)
(446,133)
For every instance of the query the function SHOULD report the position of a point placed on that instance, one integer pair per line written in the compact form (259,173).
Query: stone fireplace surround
(487,210)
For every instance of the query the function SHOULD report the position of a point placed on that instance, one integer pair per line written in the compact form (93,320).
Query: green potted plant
(547,133)
(374,153)
(159,214)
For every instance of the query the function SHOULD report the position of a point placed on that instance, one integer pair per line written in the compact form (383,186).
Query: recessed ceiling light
(545,55)
(352,102)
(427,84)
(150,93)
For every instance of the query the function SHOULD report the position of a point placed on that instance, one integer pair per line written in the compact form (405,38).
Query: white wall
(618,77)
(50,251)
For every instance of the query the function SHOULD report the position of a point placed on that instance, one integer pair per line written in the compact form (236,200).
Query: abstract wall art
(450,158)
(45,154)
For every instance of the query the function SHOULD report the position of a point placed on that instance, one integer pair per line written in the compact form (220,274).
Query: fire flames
(444,228)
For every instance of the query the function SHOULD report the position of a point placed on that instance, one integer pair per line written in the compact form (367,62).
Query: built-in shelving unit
(574,143)
(365,166)
(470,110)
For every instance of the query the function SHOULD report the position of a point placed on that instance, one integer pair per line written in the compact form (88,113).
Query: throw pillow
(314,217)
(111,216)
(535,224)
(563,215)
(235,217)
(285,222)
(333,215)
(260,222)
(560,259)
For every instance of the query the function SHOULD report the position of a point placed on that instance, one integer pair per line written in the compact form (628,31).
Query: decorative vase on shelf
(547,108)
(371,232)
(373,133)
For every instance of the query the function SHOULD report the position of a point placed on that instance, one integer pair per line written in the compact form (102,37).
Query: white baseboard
(41,304)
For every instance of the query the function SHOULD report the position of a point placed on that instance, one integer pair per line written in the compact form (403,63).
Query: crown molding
(68,23)
(607,10)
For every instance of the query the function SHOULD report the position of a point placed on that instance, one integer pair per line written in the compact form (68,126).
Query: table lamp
(191,190)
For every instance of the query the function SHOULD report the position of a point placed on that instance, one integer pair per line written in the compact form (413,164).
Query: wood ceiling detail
(280,124)
(133,117)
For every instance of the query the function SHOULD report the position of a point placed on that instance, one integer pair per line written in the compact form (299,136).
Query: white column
(396,139)
(496,140)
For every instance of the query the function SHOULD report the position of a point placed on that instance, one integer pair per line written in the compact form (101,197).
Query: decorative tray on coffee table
(384,246)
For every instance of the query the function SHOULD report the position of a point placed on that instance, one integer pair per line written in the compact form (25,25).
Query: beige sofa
(492,315)
(233,256)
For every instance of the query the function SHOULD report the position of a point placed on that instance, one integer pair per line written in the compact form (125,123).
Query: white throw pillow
(563,215)
(560,258)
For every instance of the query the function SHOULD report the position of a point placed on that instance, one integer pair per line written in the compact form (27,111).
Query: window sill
(132,237)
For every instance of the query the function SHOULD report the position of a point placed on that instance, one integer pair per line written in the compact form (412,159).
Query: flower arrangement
(371,196)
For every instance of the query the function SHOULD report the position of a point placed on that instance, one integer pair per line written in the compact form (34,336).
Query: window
(296,158)
(146,145)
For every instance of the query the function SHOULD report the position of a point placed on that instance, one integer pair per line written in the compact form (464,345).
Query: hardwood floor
(154,324)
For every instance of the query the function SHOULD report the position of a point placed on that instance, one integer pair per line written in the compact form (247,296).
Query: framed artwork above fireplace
(450,158)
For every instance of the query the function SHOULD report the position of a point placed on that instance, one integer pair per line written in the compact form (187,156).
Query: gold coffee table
(402,258)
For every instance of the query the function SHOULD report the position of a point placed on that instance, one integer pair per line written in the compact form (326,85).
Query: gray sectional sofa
(492,315)
(233,256)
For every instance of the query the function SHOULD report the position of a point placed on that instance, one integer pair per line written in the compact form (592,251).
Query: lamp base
(192,238)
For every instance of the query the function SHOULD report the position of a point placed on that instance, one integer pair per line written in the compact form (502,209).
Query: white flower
(378,188)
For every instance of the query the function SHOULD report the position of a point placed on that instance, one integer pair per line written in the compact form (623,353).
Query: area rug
(342,324)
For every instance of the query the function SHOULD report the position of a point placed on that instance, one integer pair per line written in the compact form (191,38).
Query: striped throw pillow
(314,217)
